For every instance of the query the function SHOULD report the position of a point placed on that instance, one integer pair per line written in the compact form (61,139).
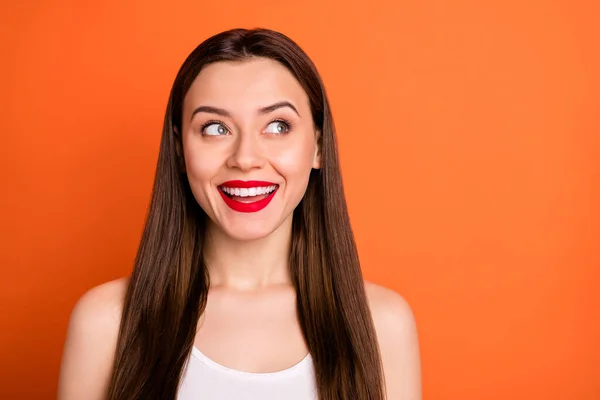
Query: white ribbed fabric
(204,379)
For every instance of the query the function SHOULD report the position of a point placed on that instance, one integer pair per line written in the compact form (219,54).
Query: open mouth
(247,196)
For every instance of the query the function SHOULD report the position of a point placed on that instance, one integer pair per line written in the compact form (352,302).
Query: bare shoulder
(98,312)
(91,342)
(101,302)
(397,336)
(389,309)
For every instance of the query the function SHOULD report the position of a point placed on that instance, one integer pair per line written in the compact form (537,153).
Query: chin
(248,232)
(245,228)
(239,226)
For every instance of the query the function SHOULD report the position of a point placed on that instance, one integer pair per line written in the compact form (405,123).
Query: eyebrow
(263,110)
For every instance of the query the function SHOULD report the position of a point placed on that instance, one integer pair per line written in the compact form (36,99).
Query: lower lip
(248,207)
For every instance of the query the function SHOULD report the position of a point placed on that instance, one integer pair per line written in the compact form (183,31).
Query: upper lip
(246,184)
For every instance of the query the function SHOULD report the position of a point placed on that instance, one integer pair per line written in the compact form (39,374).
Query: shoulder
(101,302)
(397,337)
(389,309)
(91,341)
(98,312)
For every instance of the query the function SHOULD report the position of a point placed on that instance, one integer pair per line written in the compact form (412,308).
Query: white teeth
(246,192)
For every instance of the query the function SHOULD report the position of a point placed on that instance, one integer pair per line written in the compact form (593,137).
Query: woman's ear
(317,156)
(179,149)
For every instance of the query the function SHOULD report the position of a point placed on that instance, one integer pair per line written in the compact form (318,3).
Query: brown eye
(277,127)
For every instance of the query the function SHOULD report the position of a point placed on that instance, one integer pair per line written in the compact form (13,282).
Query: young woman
(247,283)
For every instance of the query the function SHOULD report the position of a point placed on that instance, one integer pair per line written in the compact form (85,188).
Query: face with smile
(249,145)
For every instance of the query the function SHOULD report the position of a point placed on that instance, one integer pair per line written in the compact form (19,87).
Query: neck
(248,264)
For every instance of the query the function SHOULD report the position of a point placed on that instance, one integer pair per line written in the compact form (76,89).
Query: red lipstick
(247,207)
(246,184)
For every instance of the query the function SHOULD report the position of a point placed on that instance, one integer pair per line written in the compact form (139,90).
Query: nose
(247,154)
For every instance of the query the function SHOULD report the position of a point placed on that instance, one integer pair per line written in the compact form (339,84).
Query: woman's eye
(277,127)
(215,130)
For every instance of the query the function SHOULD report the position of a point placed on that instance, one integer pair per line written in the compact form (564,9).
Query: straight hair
(168,288)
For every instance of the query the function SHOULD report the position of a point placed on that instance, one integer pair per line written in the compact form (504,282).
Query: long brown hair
(169,285)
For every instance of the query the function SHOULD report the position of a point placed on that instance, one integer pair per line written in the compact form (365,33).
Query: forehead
(239,86)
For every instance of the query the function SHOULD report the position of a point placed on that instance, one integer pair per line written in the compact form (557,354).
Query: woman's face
(249,145)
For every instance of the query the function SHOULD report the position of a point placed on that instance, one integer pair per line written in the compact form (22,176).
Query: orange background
(470,143)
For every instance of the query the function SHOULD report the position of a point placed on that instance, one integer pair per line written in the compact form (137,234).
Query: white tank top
(204,379)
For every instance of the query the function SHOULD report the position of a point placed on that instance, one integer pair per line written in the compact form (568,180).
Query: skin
(246,254)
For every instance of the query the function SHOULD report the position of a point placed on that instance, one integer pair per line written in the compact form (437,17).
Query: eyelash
(212,122)
(281,120)
(287,124)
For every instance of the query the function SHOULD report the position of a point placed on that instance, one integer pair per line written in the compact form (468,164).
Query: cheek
(201,167)
(295,161)
(200,162)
